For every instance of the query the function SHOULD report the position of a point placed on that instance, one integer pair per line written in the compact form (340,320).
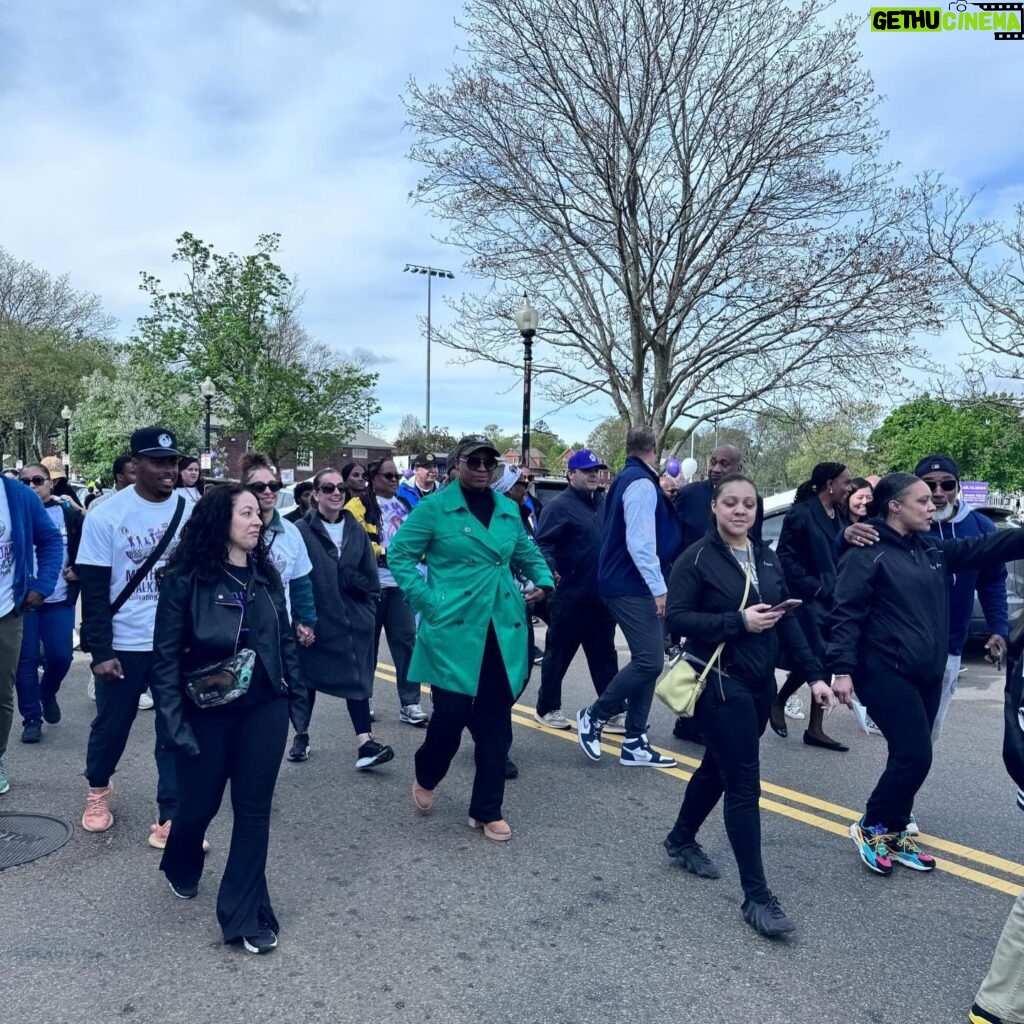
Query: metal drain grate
(27,837)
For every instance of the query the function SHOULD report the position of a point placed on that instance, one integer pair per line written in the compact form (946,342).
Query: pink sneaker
(158,835)
(97,816)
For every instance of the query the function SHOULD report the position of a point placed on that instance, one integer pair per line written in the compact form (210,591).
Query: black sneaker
(767,918)
(184,892)
(511,769)
(32,733)
(51,711)
(687,729)
(263,941)
(371,754)
(300,747)
(691,857)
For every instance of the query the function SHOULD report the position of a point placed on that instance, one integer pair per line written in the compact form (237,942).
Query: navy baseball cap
(584,459)
(937,463)
(154,443)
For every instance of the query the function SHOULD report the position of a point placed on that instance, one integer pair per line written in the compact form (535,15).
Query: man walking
(424,480)
(693,502)
(641,538)
(31,558)
(570,540)
(124,542)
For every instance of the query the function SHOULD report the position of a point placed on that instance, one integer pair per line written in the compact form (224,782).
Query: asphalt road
(389,916)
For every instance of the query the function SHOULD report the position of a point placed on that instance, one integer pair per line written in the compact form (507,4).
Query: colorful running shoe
(906,851)
(873,846)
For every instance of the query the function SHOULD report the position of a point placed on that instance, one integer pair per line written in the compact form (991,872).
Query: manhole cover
(27,837)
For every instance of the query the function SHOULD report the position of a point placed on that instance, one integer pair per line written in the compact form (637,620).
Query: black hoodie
(892,600)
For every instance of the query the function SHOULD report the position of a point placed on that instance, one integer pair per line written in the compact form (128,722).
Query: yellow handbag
(680,687)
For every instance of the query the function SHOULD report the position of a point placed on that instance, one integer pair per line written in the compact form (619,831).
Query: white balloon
(689,467)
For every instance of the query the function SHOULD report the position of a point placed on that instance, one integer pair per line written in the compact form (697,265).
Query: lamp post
(431,273)
(526,321)
(207,389)
(65,415)
(19,428)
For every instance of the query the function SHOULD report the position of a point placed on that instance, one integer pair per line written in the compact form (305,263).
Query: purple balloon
(214,456)
(218,472)
(672,467)
(406,473)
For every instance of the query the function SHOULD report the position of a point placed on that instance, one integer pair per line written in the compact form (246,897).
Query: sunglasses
(272,485)
(488,462)
(330,488)
(949,486)
(389,476)
(34,481)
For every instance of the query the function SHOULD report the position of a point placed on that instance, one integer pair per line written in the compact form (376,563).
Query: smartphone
(787,606)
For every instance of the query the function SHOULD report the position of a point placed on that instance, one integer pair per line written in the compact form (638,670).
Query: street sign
(287,476)
(975,492)
(205,462)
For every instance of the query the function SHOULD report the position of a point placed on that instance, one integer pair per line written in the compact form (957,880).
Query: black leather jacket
(197,625)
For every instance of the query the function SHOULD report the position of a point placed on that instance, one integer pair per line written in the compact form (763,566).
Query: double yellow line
(802,807)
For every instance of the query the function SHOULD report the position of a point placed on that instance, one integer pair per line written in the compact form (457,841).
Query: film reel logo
(1017,8)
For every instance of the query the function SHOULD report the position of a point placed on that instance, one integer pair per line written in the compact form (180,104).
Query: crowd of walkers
(235,617)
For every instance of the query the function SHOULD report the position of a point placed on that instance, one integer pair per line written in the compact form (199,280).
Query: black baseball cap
(154,443)
(425,459)
(473,443)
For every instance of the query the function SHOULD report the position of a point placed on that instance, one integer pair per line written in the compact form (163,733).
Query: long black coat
(346,589)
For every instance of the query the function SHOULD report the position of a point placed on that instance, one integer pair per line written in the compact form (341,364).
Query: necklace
(241,583)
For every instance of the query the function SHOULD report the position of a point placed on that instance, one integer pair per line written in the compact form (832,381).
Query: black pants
(398,623)
(905,712)
(242,745)
(733,728)
(488,716)
(117,704)
(586,624)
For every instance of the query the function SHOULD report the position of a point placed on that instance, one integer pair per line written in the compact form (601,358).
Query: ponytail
(820,476)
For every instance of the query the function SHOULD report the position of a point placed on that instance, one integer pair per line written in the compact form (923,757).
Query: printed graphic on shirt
(137,546)
(6,551)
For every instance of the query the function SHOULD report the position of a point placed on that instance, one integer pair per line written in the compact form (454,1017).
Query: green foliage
(842,437)
(413,438)
(608,440)
(235,320)
(985,435)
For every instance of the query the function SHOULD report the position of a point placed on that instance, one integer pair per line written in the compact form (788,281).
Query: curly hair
(252,461)
(204,541)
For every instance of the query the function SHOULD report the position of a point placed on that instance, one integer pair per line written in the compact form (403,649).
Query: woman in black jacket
(710,603)
(889,638)
(807,552)
(221,597)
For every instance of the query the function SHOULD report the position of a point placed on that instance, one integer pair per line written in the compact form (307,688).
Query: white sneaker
(616,725)
(639,753)
(145,701)
(413,714)
(912,827)
(90,688)
(794,709)
(554,720)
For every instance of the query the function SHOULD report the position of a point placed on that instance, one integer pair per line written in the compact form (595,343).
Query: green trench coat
(469,584)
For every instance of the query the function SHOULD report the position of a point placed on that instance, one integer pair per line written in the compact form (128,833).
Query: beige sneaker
(97,816)
(145,701)
(616,725)
(158,835)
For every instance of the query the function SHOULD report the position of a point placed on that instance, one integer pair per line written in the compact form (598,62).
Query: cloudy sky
(125,124)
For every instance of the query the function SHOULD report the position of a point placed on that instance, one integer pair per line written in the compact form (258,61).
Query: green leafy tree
(413,437)
(236,321)
(841,437)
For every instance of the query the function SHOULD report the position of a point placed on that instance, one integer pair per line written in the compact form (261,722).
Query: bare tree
(985,260)
(691,192)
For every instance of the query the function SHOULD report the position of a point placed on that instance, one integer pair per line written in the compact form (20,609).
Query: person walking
(52,624)
(888,640)
(31,555)
(303,492)
(858,500)
(224,656)
(60,488)
(424,480)
(190,483)
(570,539)
(381,512)
(346,589)
(353,475)
(727,589)
(124,541)
(807,551)
(471,646)
(693,501)
(641,539)
(123,474)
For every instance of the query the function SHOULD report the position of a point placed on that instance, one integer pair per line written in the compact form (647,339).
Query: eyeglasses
(949,486)
(488,462)
(270,485)
(34,481)
(330,488)
(388,476)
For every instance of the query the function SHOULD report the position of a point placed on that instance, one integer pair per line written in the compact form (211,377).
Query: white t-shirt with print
(121,534)
(336,531)
(288,555)
(6,555)
(60,592)
(393,512)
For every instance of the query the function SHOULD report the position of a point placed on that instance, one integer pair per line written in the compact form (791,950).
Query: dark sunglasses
(389,476)
(330,488)
(949,486)
(488,462)
(272,485)
(34,481)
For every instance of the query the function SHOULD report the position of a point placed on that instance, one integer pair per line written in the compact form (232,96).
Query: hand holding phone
(786,606)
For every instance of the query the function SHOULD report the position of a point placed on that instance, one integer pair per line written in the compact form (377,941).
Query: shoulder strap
(743,600)
(155,555)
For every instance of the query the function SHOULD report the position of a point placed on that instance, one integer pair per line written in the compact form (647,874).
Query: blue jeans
(53,626)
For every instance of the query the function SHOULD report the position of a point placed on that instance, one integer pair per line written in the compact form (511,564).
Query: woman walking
(225,656)
(380,510)
(190,485)
(471,645)
(889,638)
(807,551)
(859,500)
(353,475)
(346,589)
(727,589)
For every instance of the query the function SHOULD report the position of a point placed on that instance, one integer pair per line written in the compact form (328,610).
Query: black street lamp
(65,415)
(431,273)
(526,321)
(207,389)
(19,428)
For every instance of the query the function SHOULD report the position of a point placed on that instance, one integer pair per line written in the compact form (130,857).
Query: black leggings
(731,764)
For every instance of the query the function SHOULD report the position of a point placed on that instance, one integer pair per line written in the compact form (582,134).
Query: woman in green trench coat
(471,645)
